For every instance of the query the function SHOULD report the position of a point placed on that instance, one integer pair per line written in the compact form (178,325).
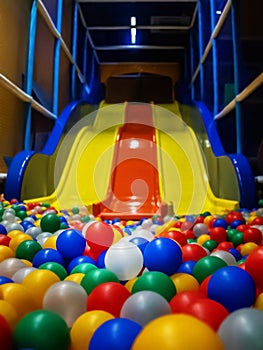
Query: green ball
(231,233)
(22,214)
(206,266)
(50,223)
(42,330)
(210,244)
(27,250)
(75,210)
(83,268)
(157,282)
(238,238)
(96,277)
(55,267)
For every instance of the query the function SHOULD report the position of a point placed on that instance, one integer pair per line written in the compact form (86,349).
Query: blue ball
(80,260)
(115,334)
(101,260)
(71,243)
(220,223)
(140,242)
(47,255)
(163,254)
(236,223)
(4,279)
(236,253)
(3,229)
(187,267)
(232,287)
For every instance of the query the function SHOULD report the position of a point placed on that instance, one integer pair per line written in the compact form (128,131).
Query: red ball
(225,245)
(204,285)
(209,311)
(252,234)
(181,301)
(218,234)
(234,215)
(177,236)
(4,239)
(193,252)
(6,340)
(109,297)
(257,221)
(254,266)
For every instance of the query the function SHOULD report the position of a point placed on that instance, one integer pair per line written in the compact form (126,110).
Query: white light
(218,12)
(134,144)
(133,21)
(133,35)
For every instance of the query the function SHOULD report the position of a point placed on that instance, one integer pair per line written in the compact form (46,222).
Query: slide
(130,160)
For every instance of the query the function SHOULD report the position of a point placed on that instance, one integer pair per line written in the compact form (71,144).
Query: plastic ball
(233,287)
(20,297)
(200,229)
(117,334)
(80,260)
(101,259)
(70,243)
(193,252)
(109,297)
(48,255)
(83,268)
(206,266)
(67,299)
(17,239)
(19,275)
(247,248)
(143,307)
(187,267)
(4,239)
(4,280)
(228,258)
(9,266)
(242,330)
(220,222)
(209,311)
(6,253)
(5,334)
(155,281)
(38,282)
(84,327)
(140,242)
(181,301)
(27,250)
(58,269)
(218,234)
(50,242)
(124,259)
(163,255)
(75,277)
(8,311)
(3,229)
(96,277)
(252,234)
(50,223)
(99,236)
(177,236)
(184,281)
(177,331)
(254,266)
(42,329)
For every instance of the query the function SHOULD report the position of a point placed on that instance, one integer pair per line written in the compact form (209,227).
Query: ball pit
(128,284)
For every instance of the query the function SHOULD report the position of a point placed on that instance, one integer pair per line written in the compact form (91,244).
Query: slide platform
(129,160)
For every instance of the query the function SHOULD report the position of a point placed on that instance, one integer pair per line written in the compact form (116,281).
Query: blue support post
(239,131)
(57,59)
(201,49)
(214,53)
(29,73)
(192,64)
(74,50)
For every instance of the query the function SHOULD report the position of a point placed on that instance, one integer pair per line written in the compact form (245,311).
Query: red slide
(134,184)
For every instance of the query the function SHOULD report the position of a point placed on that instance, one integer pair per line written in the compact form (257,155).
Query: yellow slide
(183,173)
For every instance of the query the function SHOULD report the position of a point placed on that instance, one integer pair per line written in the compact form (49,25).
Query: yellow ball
(17,239)
(203,238)
(259,302)
(184,282)
(177,332)
(207,220)
(75,277)
(84,327)
(50,242)
(20,297)
(38,282)
(8,311)
(248,247)
(6,252)
(130,284)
